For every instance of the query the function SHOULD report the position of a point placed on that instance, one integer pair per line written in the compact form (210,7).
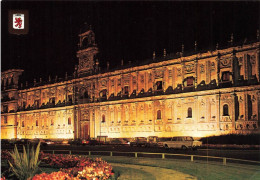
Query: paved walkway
(157,172)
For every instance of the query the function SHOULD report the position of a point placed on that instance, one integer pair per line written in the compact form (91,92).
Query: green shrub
(25,165)
(240,139)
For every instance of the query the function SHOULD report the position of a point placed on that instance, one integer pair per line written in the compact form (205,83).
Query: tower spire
(87,51)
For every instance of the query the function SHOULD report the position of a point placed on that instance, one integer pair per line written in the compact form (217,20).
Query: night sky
(124,30)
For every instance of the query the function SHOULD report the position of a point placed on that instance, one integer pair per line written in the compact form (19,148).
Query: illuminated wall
(211,93)
(46,124)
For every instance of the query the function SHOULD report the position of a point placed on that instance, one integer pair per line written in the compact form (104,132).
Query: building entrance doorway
(84,131)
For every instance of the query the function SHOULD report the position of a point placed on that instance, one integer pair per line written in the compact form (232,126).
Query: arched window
(22,123)
(159,85)
(225,110)
(85,95)
(103,118)
(189,112)
(69,121)
(126,90)
(159,114)
(36,122)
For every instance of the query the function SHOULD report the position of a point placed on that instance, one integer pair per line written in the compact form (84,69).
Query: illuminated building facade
(211,93)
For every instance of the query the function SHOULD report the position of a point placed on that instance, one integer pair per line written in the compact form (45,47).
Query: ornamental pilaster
(182,70)
(196,72)
(257,65)
(218,69)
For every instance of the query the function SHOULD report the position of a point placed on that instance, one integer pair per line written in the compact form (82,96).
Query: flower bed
(72,167)
(5,155)
(76,167)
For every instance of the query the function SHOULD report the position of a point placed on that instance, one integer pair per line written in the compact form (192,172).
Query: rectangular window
(190,81)
(70,98)
(5,108)
(159,85)
(52,100)
(36,103)
(126,90)
(226,76)
(103,93)
(24,104)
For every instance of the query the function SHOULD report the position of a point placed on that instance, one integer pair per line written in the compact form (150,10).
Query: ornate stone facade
(204,94)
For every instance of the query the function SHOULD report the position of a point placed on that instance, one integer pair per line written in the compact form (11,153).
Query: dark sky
(124,30)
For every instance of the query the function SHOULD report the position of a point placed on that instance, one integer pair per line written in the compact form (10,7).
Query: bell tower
(87,51)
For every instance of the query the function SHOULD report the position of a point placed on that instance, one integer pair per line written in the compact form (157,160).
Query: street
(245,154)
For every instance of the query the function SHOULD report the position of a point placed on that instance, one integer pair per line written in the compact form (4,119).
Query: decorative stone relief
(127,79)
(158,74)
(202,103)
(150,77)
(189,68)
(112,82)
(178,71)
(52,91)
(213,102)
(225,62)
(170,73)
(85,114)
(212,66)
(103,83)
(202,68)
(240,60)
(142,78)
(252,59)
(37,94)
(134,80)
(253,99)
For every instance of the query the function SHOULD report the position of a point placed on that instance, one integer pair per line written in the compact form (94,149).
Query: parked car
(13,141)
(22,142)
(138,141)
(36,142)
(93,142)
(119,141)
(152,141)
(182,142)
(49,142)
(65,142)
(85,142)
(161,140)
(75,142)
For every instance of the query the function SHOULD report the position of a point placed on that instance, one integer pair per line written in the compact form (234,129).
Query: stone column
(218,70)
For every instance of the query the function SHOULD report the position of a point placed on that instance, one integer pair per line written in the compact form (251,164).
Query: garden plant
(29,164)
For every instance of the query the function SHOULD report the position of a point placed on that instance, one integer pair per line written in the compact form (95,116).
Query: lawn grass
(201,170)
(126,173)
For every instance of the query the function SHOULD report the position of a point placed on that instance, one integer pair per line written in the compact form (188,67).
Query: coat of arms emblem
(18,21)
